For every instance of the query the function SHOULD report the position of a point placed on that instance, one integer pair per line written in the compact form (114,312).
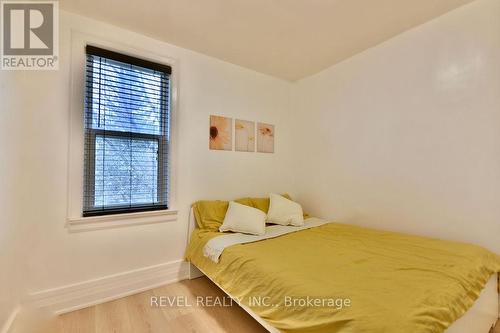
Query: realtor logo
(30,32)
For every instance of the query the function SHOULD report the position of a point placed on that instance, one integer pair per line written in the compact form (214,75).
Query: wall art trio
(246,135)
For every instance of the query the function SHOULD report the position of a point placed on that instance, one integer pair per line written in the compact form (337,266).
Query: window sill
(80,224)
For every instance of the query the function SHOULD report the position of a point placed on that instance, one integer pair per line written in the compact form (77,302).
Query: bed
(410,284)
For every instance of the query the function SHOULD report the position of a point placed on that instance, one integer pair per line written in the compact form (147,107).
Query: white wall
(35,128)
(406,136)
(11,197)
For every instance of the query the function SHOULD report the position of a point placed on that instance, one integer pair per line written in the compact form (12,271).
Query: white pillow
(244,219)
(283,211)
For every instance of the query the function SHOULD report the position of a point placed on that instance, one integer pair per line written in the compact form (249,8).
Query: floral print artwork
(220,135)
(265,138)
(244,135)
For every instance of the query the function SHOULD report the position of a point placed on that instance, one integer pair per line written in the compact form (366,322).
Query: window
(127,113)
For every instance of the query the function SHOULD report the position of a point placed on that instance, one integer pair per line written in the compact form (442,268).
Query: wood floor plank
(81,321)
(112,317)
(141,317)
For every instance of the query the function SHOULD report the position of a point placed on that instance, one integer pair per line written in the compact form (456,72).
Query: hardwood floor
(134,314)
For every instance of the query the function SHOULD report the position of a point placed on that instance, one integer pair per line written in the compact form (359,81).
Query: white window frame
(75,222)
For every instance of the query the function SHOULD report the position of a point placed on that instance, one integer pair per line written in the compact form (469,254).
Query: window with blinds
(127,112)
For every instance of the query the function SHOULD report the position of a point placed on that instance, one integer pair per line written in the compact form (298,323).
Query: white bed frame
(480,318)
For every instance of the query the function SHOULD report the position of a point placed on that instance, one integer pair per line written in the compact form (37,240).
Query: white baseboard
(87,293)
(10,320)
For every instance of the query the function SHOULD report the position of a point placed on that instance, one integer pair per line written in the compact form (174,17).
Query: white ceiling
(290,39)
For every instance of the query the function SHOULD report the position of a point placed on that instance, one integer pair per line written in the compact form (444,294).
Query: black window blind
(127,113)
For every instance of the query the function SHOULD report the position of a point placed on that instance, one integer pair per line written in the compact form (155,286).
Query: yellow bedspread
(395,283)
